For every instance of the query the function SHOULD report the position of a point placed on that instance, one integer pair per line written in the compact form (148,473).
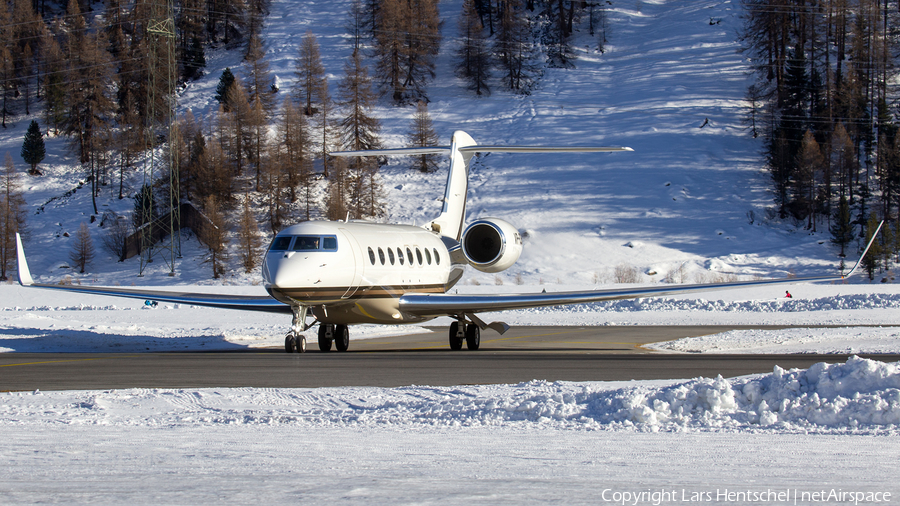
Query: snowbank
(860,396)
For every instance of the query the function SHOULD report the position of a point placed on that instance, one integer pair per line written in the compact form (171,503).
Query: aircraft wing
(449,304)
(434,305)
(263,303)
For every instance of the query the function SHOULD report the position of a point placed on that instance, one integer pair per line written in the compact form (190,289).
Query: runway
(522,354)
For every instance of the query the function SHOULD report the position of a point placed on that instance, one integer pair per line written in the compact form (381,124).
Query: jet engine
(491,245)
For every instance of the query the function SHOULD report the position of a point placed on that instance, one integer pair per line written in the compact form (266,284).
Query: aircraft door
(358,264)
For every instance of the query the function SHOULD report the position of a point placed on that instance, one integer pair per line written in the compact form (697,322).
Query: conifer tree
(12,216)
(473,56)
(213,234)
(258,126)
(259,80)
(216,172)
(407,40)
(191,147)
(194,60)
(83,251)
(248,236)
(326,108)
(240,126)
(809,165)
(513,47)
(293,136)
(359,131)
(224,86)
(144,208)
(842,228)
(33,150)
(872,260)
(336,191)
(310,75)
(356,24)
(90,107)
(274,190)
(422,134)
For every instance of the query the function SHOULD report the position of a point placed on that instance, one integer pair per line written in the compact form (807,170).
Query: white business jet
(353,272)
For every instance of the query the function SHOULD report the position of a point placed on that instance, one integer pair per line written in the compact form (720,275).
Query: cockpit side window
(281,243)
(306,243)
(329,243)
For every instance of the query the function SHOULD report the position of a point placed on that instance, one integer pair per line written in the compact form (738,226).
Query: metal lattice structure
(162,140)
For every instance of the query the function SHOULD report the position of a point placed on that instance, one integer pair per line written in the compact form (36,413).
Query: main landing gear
(328,334)
(459,330)
(338,334)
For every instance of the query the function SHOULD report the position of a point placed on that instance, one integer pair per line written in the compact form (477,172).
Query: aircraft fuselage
(355,272)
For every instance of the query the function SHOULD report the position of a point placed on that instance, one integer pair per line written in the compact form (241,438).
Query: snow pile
(857,394)
(860,396)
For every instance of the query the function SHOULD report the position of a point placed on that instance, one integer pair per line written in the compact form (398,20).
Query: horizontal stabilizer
(399,151)
(543,149)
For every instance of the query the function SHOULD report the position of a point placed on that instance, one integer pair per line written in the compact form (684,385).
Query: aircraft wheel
(295,343)
(324,340)
(473,337)
(301,343)
(455,340)
(341,337)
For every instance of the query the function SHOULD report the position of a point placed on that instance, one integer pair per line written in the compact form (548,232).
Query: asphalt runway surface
(522,354)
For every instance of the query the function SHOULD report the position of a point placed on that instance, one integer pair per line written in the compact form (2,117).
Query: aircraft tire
(341,337)
(301,343)
(324,340)
(473,337)
(456,342)
(289,343)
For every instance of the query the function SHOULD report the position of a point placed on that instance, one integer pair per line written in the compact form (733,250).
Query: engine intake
(491,245)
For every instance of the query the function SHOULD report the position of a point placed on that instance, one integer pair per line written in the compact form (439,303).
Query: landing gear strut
(294,340)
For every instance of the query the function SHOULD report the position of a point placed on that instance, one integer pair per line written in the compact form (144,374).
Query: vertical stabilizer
(453,212)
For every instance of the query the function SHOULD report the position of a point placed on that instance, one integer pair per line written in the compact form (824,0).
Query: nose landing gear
(294,340)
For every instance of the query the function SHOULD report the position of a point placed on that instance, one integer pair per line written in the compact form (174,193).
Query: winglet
(24,273)
(859,262)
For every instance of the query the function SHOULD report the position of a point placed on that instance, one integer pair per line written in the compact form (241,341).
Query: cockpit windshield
(304,243)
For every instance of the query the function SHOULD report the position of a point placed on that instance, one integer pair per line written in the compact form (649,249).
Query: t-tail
(453,212)
(450,223)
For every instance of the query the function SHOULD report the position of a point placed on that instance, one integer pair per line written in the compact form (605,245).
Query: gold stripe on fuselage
(326,294)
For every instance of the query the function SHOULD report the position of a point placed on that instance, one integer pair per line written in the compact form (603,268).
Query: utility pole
(162,133)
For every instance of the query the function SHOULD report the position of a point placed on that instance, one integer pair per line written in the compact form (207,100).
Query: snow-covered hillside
(689,203)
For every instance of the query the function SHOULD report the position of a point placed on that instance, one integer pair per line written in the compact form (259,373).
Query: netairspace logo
(769,496)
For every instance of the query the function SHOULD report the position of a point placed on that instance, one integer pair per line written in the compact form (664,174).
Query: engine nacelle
(491,245)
